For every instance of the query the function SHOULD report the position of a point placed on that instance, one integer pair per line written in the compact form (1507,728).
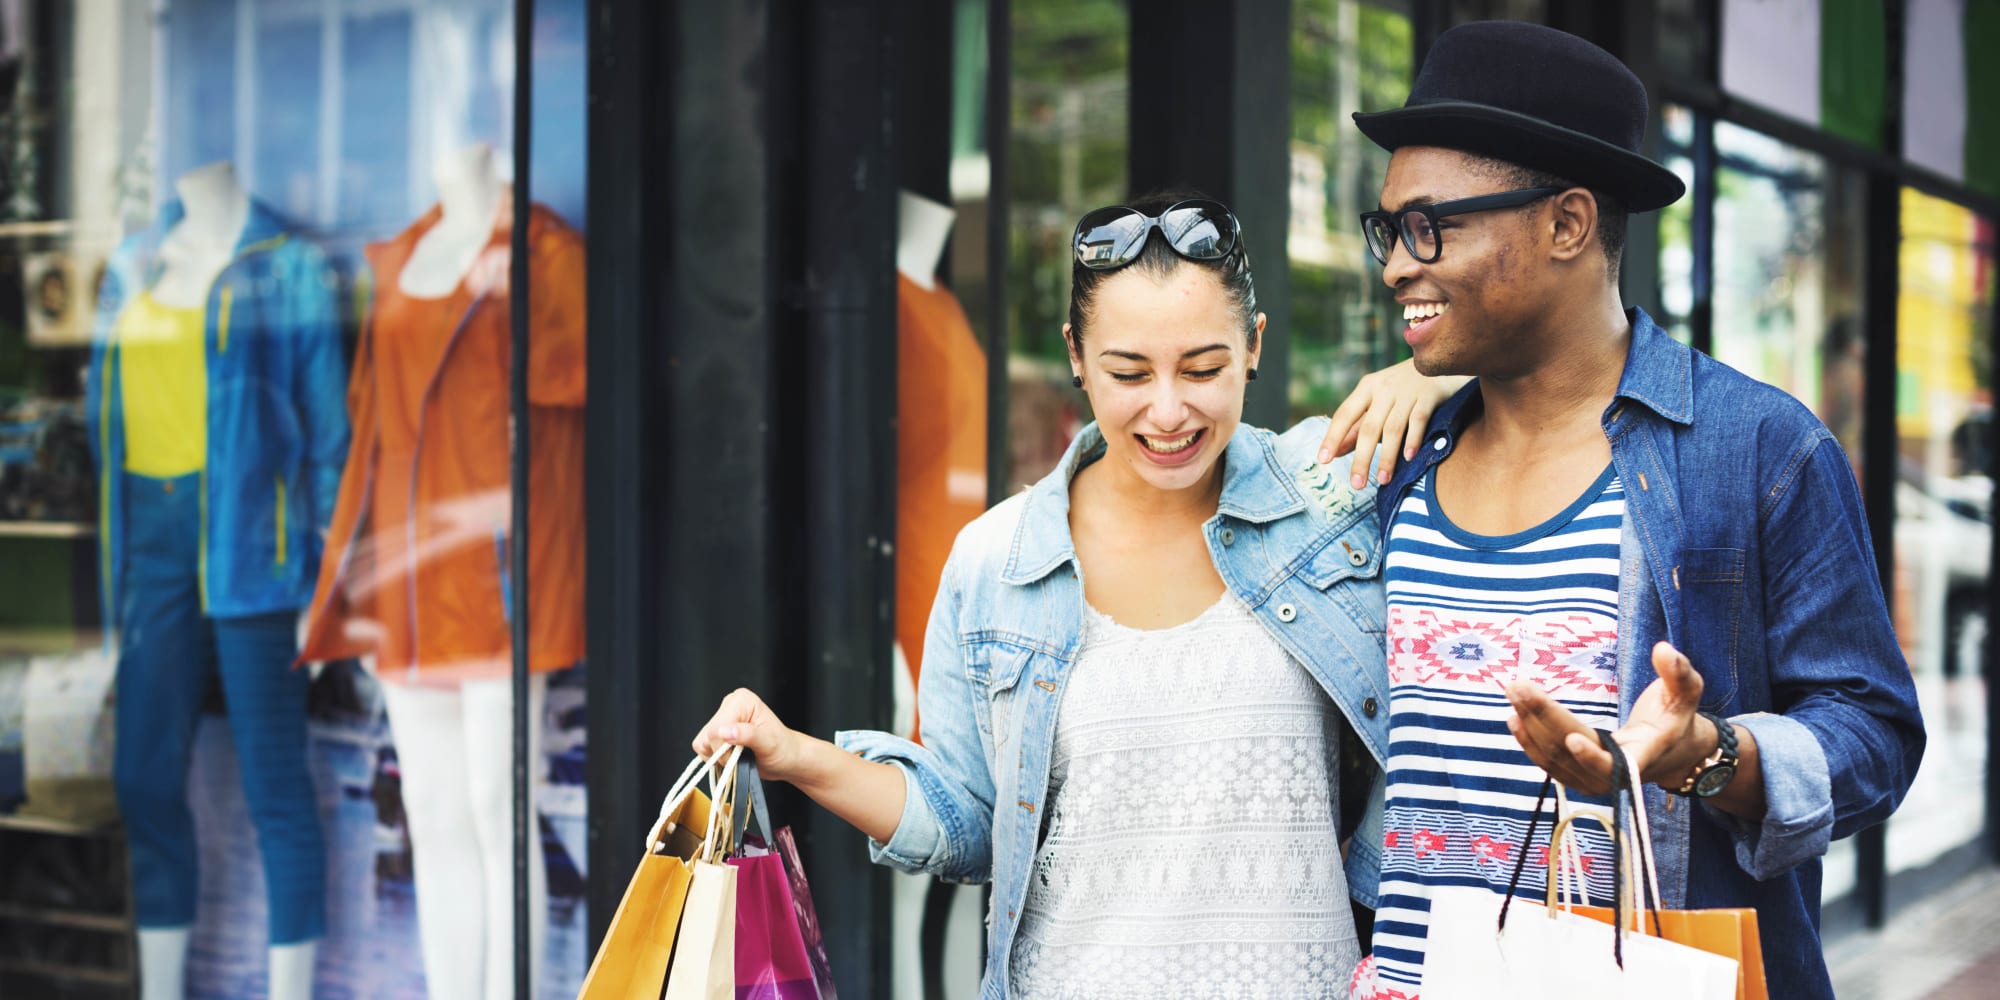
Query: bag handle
(722,799)
(756,815)
(683,787)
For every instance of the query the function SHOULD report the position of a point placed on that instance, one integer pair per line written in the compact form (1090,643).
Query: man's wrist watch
(1713,774)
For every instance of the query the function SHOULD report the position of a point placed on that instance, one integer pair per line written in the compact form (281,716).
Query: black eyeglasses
(1418,224)
(1110,238)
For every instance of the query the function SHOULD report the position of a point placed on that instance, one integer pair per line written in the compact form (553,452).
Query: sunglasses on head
(1418,224)
(1112,237)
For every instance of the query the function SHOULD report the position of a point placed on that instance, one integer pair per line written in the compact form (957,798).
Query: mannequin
(204,570)
(469,191)
(419,554)
(201,244)
(941,486)
(454,742)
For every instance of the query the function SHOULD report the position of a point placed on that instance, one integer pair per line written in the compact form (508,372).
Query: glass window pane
(1944,491)
(1067,156)
(254,415)
(1346,57)
(1788,275)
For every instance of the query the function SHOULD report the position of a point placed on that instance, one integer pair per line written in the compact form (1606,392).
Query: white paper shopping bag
(1545,954)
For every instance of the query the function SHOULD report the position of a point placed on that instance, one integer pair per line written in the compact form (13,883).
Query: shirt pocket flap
(1355,553)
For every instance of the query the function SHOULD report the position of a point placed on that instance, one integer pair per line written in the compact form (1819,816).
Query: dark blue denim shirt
(1745,545)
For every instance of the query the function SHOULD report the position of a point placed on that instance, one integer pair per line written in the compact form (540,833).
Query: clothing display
(167,653)
(219,431)
(1467,614)
(940,448)
(420,557)
(165,387)
(275,422)
(1170,866)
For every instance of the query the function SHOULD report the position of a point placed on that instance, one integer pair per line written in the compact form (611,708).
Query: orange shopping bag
(631,964)
(1731,933)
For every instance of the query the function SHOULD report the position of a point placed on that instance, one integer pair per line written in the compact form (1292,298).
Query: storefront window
(1346,57)
(1944,492)
(1787,278)
(1677,227)
(255,513)
(1068,155)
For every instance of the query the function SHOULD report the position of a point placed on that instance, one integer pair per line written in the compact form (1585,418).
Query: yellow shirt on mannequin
(163,374)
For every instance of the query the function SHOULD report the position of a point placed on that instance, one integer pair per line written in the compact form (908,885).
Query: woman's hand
(1388,410)
(744,720)
(864,793)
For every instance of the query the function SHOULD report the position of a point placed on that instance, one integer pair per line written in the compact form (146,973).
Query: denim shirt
(1008,624)
(1745,545)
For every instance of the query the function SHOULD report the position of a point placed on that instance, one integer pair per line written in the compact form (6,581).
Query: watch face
(1714,780)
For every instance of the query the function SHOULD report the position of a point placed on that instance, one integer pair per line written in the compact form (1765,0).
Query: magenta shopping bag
(771,961)
(779,954)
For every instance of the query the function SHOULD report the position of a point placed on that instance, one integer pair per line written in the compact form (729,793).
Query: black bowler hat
(1533,96)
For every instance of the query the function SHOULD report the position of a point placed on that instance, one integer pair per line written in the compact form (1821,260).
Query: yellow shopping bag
(631,964)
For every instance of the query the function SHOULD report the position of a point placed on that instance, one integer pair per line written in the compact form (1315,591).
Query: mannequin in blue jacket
(217,397)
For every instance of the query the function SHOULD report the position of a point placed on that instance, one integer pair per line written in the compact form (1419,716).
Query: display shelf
(73,973)
(110,923)
(57,827)
(47,529)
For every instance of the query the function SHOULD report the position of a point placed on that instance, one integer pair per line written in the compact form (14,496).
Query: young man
(1605,530)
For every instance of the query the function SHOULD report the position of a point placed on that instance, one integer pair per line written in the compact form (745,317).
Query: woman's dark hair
(1158,260)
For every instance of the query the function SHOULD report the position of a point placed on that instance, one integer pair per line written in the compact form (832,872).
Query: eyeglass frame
(1443,209)
(1152,224)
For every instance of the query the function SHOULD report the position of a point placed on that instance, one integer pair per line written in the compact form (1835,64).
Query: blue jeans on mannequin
(167,647)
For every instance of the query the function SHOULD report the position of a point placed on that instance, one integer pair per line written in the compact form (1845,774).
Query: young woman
(1138,673)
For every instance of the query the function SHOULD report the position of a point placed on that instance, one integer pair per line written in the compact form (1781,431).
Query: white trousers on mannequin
(454,745)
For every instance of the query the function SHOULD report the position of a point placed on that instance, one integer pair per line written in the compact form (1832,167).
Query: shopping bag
(704,962)
(1475,951)
(67,737)
(808,916)
(771,957)
(1731,933)
(631,963)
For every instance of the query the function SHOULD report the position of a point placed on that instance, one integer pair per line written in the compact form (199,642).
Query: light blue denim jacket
(1008,624)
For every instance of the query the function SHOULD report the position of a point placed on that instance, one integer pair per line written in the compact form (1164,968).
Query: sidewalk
(1946,947)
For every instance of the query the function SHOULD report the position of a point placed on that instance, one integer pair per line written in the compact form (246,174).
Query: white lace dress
(1190,846)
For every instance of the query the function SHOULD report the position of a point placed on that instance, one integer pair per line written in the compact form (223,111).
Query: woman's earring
(1253,375)
(1076,380)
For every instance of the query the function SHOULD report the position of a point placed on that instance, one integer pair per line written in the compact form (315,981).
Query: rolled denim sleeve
(1842,739)
(946,828)
(1798,798)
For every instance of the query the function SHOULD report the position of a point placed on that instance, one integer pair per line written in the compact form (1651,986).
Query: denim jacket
(1008,624)
(1745,546)
(276,407)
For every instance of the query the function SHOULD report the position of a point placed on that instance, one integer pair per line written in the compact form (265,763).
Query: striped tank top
(1467,614)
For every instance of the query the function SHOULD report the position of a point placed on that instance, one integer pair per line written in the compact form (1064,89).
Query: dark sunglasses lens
(1200,230)
(1109,237)
(1381,235)
(1422,235)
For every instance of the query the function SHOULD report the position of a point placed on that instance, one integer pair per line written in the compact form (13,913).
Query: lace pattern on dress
(1190,847)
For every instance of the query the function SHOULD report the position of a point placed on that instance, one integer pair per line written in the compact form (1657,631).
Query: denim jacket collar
(1254,489)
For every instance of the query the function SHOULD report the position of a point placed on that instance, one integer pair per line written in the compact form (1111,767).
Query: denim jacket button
(1286,612)
(1229,536)
(1368,707)
(1358,557)
(1438,445)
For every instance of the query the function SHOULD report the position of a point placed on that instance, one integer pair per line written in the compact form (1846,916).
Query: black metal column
(1223,71)
(685,597)
(844,490)
(999,224)
(520,542)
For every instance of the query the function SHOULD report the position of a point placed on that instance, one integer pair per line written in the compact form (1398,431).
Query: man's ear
(1573,224)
